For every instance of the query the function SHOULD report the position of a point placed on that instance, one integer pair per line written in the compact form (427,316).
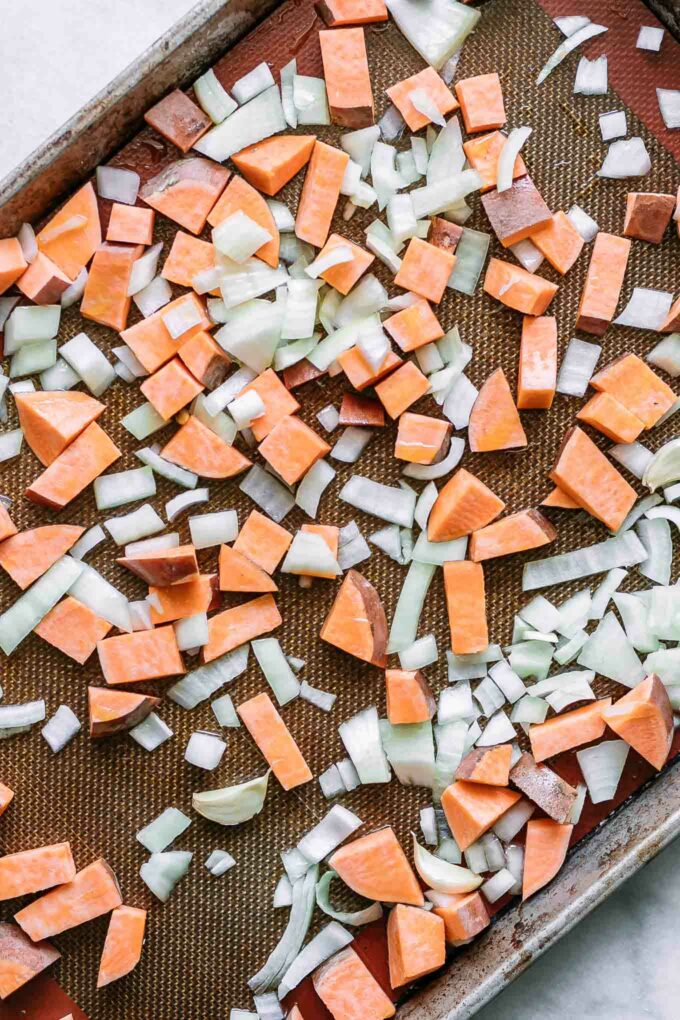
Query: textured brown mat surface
(213,933)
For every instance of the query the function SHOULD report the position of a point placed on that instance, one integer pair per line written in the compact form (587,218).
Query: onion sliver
(202,683)
(356,917)
(331,939)
(25,614)
(361,737)
(268,493)
(410,752)
(232,805)
(290,943)
(404,628)
(151,732)
(162,872)
(577,367)
(117,184)
(178,505)
(646,309)
(633,456)
(137,524)
(602,767)
(61,728)
(163,830)
(312,487)
(391,504)
(430,471)
(609,652)
(442,876)
(212,529)
(570,43)
(664,467)
(329,833)
(258,119)
(506,160)
(626,158)
(276,669)
(14,717)
(435,28)
(470,257)
(115,490)
(655,535)
(87,542)
(164,468)
(624,550)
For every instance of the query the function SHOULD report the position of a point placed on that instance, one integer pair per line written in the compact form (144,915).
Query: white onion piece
(164,468)
(320,699)
(142,274)
(420,154)
(290,943)
(666,355)
(10,444)
(283,894)
(606,589)
(204,750)
(134,366)
(591,77)
(602,768)
(527,254)
(577,367)
(29,245)
(310,556)
(426,501)
(268,1006)
(361,737)
(443,467)
(633,456)
(410,752)
(213,98)
(154,296)
(61,728)
(447,156)
(328,834)
(253,83)
(287,75)
(421,653)
(500,884)
(178,505)
(202,683)
(655,535)
(330,940)
(19,718)
(283,218)
(470,257)
(124,487)
(451,738)
(246,408)
(87,542)
(59,376)
(101,597)
(664,467)
(258,119)
(529,709)
(389,540)
(423,103)
(428,826)
(143,421)
(163,830)
(239,236)
(506,160)
(571,23)
(489,697)
(574,612)
(437,197)
(498,730)
(609,652)
(626,158)
(364,300)
(30,323)
(312,487)
(391,504)
(26,613)
(7,304)
(31,359)
(507,681)
(435,28)
(25,386)
(117,184)
(669,106)
(442,876)
(439,553)
(613,125)
(646,309)
(311,100)
(267,493)
(404,628)
(191,632)
(225,713)
(169,541)
(634,614)
(137,524)
(338,255)
(151,732)
(401,219)
(140,615)
(300,309)
(162,872)
(351,180)
(328,417)
(219,862)
(649,38)
(351,444)
(588,31)
(254,330)
(359,144)
(624,550)
(391,125)
(228,391)
(276,669)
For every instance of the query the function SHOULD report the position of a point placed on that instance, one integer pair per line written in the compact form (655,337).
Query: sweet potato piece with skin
(130,224)
(233,627)
(238,573)
(31,871)
(559,242)
(292,448)
(171,388)
(29,554)
(360,373)
(375,866)
(106,299)
(466,606)
(197,449)
(349,991)
(425,270)
(603,284)
(337,13)
(92,892)
(543,787)
(537,375)
(274,741)
(494,421)
(443,234)
(487,765)
(116,711)
(518,289)
(348,80)
(181,600)
(472,808)
(409,698)
(421,439)
(270,164)
(545,849)
(672,322)
(85,459)
(356,622)
(150,341)
(186,191)
(464,916)
(21,959)
(416,944)
(52,420)
(635,385)
(73,628)
(528,529)
(606,414)
(559,500)
(278,402)
(73,249)
(163,567)
(6,797)
(344,275)
(300,373)
(357,410)
(188,256)
(43,281)
(320,193)
(143,655)
(402,388)
(123,946)
(482,154)
(516,213)
(648,215)
(178,120)
(464,505)
(429,81)
(585,474)
(481,101)
(568,730)
(263,541)
(644,719)
(12,262)
(205,359)
(7,526)
(239,196)
(414,326)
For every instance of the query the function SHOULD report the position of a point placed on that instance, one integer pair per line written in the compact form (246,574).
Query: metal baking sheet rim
(623,843)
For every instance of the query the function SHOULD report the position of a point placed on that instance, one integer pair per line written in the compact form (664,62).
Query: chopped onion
(591,77)
(330,940)
(664,467)
(351,444)
(232,805)
(435,28)
(151,732)
(202,683)
(429,471)
(276,669)
(655,535)
(571,23)
(442,876)
(421,653)
(162,872)
(61,728)
(646,309)
(602,767)
(100,596)
(140,615)
(137,524)
(439,553)
(626,158)
(310,556)
(143,421)
(225,713)
(410,752)
(450,750)
(153,296)
(649,38)
(124,487)
(29,245)
(164,468)
(191,632)
(498,730)
(117,184)
(404,628)
(364,300)
(511,149)
(87,542)
(31,359)
(391,125)
(428,826)
(331,783)
(635,616)
(328,834)
(514,856)
(25,614)
(213,98)
(489,696)
(436,198)
(312,487)
(268,1006)
(212,529)
(500,884)
(258,119)
(609,652)
(142,274)
(30,323)
(384,501)
(527,254)
(577,367)
(514,820)
(321,699)
(169,541)
(666,355)
(163,830)
(529,709)
(612,125)
(579,36)
(604,591)
(447,156)
(470,257)
(507,680)
(283,894)
(10,444)
(633,456)
(239,236)
(228,391)
(361,737)
(268,493)
(669,106)
(311,100)
(287,75)
(531,658)
(328,416)
(59,376)
(219,862)
(354,918)
(288,947)
(178,505)
(253,83)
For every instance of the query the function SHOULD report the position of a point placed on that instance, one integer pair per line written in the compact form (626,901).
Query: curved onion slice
(602,767)
(331,939)
(290,943)
(353,917)
(655,535)
(509,153)
(569,44)
(232,805)
(410,603)
(178,505)
(440,875)
(430,471)
(664,467)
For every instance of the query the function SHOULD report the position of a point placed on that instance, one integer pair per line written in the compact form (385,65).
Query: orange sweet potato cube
(171,388)
(131,224)
(43,282)
(187,257)
(12,262)
(516,213)
(559,241)
(421,439)
(429,81)
(291,448)
(425,270)
(278,402)
(481,101)
(360,373)
(483,153)
(205,359)
(263,541)
(186,191)
(402,388)
(106,298)
(345,274)
(179,120)
(414,326)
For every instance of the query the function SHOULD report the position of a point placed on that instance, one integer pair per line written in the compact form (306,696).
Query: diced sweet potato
(466,606)
(527,529)
(31,871)
(186,191)
(239,196)
(464,916)
(348,990)
(292,448)
(195,447)
(278,402)
(413,327)
(543,787)
(29,554)
(401,389)
(116,711)
(71,249)
(559,500)
(482,154)
(150,341)
(43,281)
(545,849)
(12,262)
(344,275)
(348,81)
(21,959)
(425,269)
(52,420)
(415,944)
(143,655)
(644,719)
(360,373)
(409,698)
(472,808)
(163,567)
(487,765)
(429,81)
(494,421)
(205,359)
(273,738)
(270,164)
(171,388)
(443,234)
(481,101)
(73,628)
(648,215)
(238,573)
(421,439)
(263,541)
(301,372)
(188,256)
(85,459)
(178,601)
(517,212)
(585,474)
(464,505)
(130,224)
(320,193)
(356,623)
(358,410)
(92,892)
(610,417)
(635,385)
(518,289)
(537,376)
(106,299)
(179,120)
(123,945)
(559,242)
(603,283)
(568,730)
(337,13)
(233,627)
(6,797)
(375,866)
(7,525)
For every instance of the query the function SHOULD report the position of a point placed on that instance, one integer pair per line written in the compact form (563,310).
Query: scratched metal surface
(213,933)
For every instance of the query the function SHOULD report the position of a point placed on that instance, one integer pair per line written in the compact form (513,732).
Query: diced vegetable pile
(271,299)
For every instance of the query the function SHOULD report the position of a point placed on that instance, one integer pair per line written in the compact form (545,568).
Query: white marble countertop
(620,963)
